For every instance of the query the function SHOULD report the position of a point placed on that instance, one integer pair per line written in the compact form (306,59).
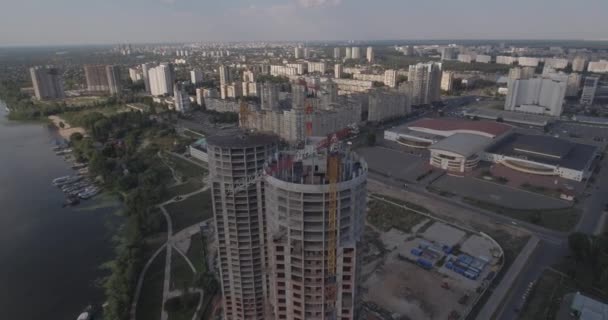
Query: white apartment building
(319,67)
(598,66)
(528,62)
(196,76)
(538,95)
(447,81)
(370,54)
(466,58)
(283,71)
(301,68)
(425,79)
(505,60)
(356,53)
(483,58)
(161,80)
(338,71)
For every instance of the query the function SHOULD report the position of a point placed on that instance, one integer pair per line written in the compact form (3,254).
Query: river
(49,255)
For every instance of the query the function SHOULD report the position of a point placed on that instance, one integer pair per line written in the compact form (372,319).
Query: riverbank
(51,256)
(67,129)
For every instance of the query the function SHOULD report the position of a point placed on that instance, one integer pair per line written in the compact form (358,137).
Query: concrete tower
(270,96)
(298,204)
(240,221)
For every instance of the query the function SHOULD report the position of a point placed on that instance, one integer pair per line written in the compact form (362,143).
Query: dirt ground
(404,289)
(67,130)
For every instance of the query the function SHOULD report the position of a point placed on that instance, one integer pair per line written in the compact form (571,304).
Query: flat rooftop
(545,149)
(509,116)
(445,124)
(242,139)
(464,144)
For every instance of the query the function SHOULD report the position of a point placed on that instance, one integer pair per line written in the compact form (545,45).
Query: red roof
(489,127)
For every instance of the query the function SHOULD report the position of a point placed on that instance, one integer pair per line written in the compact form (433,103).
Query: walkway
(169,245)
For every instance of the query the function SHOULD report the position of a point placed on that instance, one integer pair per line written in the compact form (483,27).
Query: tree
(76,136)
(371,139)
(61,124)
(579,245)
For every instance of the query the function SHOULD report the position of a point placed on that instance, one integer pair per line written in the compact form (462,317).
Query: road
(550,253)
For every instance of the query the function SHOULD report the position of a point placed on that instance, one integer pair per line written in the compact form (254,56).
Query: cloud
(168,1)
(318,3)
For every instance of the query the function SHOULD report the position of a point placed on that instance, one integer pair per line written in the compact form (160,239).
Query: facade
(556,63)
(338,71)
(348,53)
(598,66)
(181,98)
(304,284)
(114,80)
(356,53)
(589,89)
(200,98)
(448,53)
(319,67)
(370,54)
(483,58)
(574,84)
(161,79)
(505,60)
(301,68)
(579,63)
(270,96)
(96,77)
(135,74)
(225,75)
(346,86)
(47,83)
(283,71)
(240,222)
(528,61)
(145,69)
(465,58)
(390,78)
(447,81)
(336,53)
(538,95)
(385,104)
(519,73)
(426,83)
(196,76)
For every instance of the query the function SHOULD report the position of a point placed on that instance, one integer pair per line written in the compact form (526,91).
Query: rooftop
(242,139)
(509,116)
(464,144)
(491,128)
(545,149)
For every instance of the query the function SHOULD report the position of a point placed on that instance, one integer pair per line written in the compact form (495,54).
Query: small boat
(69,180)
(60,179)
(79,165)
(63,152)
(71,201)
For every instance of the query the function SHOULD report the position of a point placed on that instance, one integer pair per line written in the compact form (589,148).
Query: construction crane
(286,163)
(244,114)
(333,172)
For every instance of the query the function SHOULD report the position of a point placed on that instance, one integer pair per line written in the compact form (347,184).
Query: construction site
(416,267)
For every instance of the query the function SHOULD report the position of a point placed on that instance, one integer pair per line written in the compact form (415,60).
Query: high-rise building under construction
(315,215)
(240,221)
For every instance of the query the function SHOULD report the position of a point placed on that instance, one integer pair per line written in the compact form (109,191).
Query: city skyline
(78,22)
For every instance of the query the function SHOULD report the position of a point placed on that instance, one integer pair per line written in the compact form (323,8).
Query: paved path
(169,245)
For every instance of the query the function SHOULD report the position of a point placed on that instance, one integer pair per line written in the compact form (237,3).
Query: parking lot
(581,133)
(495,193)
(395,163)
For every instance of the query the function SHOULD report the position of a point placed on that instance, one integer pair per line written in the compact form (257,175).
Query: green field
(187,212)
(186,168)
(385,216)
(181,273)
(151,298)
(557,219)
(544,301)
(185,188)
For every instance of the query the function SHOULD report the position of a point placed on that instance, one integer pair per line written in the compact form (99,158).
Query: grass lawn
(557,219)
(186,168)
(195,252)
(188,187)
(74,117)
(186,313)
(150,301)
(546,296)
(181,274)
(385,216)
(189,211)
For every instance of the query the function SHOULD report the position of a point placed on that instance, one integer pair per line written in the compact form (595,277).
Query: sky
(53,22)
